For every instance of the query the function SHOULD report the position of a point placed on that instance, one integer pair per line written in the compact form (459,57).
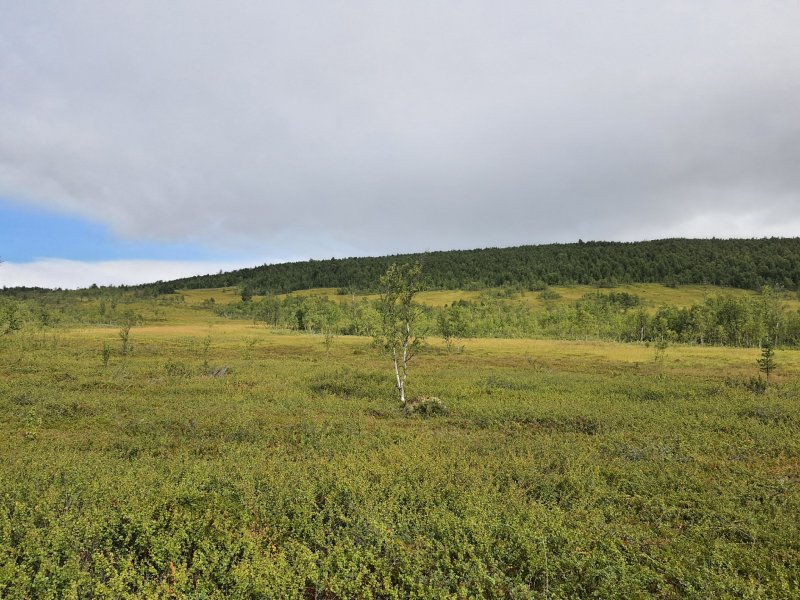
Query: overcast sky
(191,136)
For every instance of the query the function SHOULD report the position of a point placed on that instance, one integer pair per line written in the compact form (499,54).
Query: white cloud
(71,274)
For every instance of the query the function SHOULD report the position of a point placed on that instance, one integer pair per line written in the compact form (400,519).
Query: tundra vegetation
(569,463)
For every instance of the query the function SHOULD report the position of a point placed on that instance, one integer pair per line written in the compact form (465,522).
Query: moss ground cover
(561,469)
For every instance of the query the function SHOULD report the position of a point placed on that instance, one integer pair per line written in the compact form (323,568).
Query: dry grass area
(653,295)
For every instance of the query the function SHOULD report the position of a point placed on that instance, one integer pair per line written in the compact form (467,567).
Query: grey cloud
(319,128)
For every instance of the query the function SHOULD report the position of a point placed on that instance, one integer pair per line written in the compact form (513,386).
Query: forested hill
(742,263)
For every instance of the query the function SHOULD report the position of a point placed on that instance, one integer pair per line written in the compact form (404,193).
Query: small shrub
(648,395)
(220,372)
(425,406)
(548,294)
(24,399)
(766,364)
(607,282)
(580,424)
(106,354)
(205,346)
(125,336)
(538,286)
(32,423)
(349,383)
(768,415)
(328,341)
(563,424)
(177,369)
(66,410)
(250,345)
(494,383)
(661,352)
(757,385)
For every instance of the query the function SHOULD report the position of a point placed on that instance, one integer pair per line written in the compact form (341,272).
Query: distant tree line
(724,320)
(721,319)
(43,308)
(740,263)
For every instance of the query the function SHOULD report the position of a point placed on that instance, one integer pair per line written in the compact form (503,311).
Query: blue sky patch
(28,233)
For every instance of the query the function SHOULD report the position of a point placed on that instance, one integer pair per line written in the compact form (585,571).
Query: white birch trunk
(400,380)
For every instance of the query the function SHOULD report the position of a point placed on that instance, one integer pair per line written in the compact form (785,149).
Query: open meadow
(654,295)
(560,468)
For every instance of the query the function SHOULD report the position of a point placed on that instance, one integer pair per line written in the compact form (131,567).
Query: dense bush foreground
(561,469)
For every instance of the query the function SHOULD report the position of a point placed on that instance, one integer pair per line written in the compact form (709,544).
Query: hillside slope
(741,263)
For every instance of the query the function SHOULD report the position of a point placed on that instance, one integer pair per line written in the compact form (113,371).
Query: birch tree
(399,319)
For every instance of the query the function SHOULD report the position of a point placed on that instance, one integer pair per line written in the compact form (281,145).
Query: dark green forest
(740,263)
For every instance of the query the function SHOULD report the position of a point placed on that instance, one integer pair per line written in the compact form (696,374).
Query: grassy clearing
(224,295)
(562,469)
(653,295)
